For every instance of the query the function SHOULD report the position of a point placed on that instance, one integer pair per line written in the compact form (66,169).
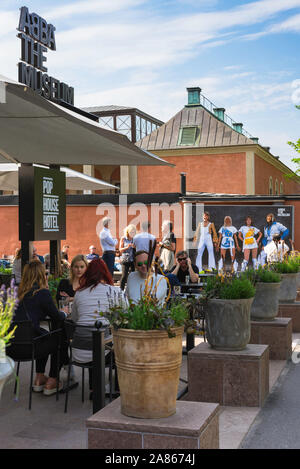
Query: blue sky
(144,53)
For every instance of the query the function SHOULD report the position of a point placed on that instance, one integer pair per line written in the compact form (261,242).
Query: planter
(288,288)
(148,364)
(265,302)
(6,369)
(228,324)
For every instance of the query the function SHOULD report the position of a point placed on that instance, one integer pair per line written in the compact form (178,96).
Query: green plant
(285,267)
(262,274)
(8,302)
(229,287)
(53,283)
(5,270)
(146,315)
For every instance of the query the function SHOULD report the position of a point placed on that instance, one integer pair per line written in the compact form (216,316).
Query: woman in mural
(205,237)
(228,240)
(247,235)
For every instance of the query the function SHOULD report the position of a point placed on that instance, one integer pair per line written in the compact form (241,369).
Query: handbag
(125,258)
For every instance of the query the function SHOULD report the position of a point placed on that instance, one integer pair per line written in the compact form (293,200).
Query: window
(107,121)
(189,136)
(281,188)
(276,188)
(270,185)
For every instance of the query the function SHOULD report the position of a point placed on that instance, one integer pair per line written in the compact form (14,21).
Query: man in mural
(272,228)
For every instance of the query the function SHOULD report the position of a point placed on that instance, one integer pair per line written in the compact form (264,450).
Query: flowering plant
(8,302)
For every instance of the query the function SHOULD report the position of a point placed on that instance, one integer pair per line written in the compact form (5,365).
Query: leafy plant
(229,287)
(53,283)
(286,267)
(262,274)
(5,270)
(8,302)
(146,315)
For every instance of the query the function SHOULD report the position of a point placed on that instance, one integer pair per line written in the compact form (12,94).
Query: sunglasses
(139,264)
(180,259)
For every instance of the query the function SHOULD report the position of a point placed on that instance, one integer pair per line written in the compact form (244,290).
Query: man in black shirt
(185,267)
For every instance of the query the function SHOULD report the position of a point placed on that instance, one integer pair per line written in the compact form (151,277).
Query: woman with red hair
(95,294)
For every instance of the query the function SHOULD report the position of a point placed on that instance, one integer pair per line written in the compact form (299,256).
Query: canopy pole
(55,254)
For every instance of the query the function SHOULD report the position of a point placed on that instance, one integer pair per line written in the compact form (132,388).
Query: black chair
(81,337)
(25,347)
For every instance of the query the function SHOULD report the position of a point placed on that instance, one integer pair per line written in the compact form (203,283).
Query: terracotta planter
(288,288)
(148,364)
(265,303)
(228,325)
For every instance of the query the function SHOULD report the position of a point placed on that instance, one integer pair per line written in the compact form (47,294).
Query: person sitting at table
(92,254)
(96,292)
(35,304)
(184,268)
(35,255)
(67,286)
(136,280)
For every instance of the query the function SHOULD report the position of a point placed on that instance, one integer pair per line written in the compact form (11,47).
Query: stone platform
(194,426)
(277,334)
(291,310)
(229,378)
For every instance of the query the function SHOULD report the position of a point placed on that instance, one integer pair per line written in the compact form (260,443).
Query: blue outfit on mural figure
(273,227)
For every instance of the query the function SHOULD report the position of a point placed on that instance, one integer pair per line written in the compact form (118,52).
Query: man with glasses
(136,280)
(184,268)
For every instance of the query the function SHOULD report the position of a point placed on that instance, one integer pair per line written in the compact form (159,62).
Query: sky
(244,55)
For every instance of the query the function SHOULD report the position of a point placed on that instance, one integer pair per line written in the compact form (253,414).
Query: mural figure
(247,235)
(228,241)
(206,237)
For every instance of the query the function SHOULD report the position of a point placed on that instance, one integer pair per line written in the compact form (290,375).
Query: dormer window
(189,136)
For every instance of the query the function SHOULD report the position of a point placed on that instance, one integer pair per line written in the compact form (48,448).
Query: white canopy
(35,130)
(74,179)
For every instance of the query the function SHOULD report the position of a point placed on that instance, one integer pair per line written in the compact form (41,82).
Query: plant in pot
(147,340)
(228,303)
(8,301)
(267,286)
(288,269)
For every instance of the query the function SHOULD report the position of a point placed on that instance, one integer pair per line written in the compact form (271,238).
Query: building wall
(263,171)
(222,173)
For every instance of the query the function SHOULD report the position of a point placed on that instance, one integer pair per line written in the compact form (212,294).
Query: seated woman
(67,286)
(35,304)
(96,293)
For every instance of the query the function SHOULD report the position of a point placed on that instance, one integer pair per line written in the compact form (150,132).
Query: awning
(35,130)
(74,179)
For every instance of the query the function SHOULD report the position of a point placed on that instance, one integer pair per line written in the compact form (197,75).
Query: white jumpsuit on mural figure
(207,235)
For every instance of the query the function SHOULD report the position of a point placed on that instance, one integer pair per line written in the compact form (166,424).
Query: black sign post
(42,210)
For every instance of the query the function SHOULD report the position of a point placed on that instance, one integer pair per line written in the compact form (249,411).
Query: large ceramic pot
(288,288)
(265,302)
(6,369)
(148,364)
(228,325)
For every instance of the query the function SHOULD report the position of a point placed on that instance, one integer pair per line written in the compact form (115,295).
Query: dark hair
(96,272)
(250,219)
(181,253)
(138,253)
(207,214)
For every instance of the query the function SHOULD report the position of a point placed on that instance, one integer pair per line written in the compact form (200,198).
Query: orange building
(216,153)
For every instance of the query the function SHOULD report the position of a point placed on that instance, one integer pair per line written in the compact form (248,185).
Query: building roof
(213,131)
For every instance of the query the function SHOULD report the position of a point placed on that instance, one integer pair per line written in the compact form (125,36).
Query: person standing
(17,266)
(207,236)
(65,252)
(247,235)
(272,228)
(141,240)
(127,253)
(108,245)
(228,240)
(167,246)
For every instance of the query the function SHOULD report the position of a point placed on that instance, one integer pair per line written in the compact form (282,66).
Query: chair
(82,337)
(24,347)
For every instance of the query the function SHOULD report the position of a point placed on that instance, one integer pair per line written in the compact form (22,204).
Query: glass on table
(187,279)
(177,289)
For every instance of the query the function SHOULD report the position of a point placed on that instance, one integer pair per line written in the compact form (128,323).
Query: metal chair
(25,347)
(81,337)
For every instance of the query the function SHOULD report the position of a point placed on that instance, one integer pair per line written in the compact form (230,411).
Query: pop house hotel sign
(37,36)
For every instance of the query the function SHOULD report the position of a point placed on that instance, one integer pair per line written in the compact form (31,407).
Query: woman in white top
(228,240)
(95,294)
(247,234)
